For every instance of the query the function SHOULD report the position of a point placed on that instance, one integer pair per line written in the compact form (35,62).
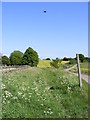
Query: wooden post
(79,71)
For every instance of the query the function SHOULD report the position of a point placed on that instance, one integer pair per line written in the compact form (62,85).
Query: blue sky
(62,31)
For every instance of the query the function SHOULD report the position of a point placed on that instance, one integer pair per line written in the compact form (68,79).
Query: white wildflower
(15,98)
(8,94)
(2,86)
(19,93)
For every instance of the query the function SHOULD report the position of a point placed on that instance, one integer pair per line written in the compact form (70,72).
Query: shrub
(55,63)
(87,59)
(73,61)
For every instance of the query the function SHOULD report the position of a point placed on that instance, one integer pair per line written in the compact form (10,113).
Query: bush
(30,57)
(16,58)
(55,63)
(87,59)
(73,61)
(5,60)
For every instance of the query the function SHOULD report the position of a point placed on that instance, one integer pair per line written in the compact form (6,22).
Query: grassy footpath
(43,93)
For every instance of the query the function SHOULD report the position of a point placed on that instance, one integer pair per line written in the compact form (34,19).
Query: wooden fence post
(79,71)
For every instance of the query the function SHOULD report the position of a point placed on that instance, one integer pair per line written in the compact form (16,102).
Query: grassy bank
(43,93)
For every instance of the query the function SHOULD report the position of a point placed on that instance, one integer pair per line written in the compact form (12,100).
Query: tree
(5,60)
(81,57)
(57,58)
(65,59)
(48,59)
(30,57)
(16,58)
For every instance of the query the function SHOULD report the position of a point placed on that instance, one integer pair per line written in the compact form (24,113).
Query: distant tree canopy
(81,57)
(48,59)
(5,60)
(57,58)
(30,57)
(16,58)
(65,59)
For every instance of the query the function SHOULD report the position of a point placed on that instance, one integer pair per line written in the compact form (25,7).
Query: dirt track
(84,77)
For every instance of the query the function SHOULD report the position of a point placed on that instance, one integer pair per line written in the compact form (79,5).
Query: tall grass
(43,93)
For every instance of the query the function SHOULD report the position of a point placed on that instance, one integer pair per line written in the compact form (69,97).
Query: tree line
(30,57)
(56,62)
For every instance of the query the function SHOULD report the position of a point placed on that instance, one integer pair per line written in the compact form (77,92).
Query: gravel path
(84,77)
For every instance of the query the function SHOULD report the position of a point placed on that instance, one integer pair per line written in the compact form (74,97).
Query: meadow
(43,93)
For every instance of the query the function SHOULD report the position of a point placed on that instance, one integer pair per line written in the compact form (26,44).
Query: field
(64,62)
(85,69)
(44,63)
(43,93)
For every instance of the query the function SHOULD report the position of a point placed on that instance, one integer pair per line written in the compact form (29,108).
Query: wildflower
(8,94)
(41,104)
(69,88)
(15,98)
(2,86)
(23,95)
(19,93)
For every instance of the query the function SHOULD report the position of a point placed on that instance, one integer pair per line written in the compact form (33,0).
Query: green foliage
(5,60)
(65,59)
(30,57)
(81,57)
(16,58)
(57,58)
(48,59)
(84,68)
(87,59)
(55,63)
(73,61)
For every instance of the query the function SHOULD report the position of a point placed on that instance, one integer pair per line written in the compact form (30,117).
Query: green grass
(43,93)
(84,69)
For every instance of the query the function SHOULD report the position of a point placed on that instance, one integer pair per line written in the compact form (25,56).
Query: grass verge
(43,93)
